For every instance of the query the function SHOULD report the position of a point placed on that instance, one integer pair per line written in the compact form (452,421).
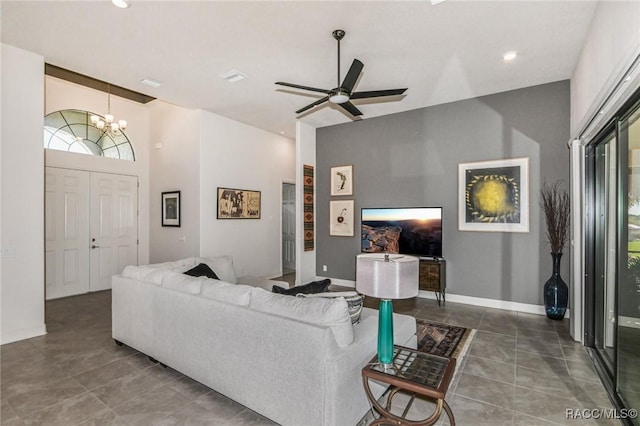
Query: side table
(416,373)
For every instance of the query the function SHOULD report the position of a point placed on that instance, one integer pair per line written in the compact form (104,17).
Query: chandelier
(108,123)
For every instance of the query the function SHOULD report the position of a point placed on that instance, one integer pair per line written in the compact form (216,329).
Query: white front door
(66,232)
(288,227)
(114,227)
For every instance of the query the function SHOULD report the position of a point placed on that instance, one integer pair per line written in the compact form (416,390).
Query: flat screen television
(416,231)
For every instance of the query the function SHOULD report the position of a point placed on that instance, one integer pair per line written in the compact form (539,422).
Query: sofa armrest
(262,282)
(346,399)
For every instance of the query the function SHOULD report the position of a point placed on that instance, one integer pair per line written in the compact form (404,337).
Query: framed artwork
(341,218)
(494,196)
(238,204)
(307,203)
(342,180)
(171,208)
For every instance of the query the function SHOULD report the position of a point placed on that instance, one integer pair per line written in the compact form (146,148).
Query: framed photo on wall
(238,204)
(171,208)
(493,196)
(342,180)
(341,218)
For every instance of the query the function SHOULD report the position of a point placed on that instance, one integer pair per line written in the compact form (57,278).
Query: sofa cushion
(355,301)
(180,265)
(222,266)
(202,270)
(181,282)
(236,294)
(331,313)
(310,288)
(144,273)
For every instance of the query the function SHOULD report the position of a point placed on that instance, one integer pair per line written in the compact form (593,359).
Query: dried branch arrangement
(556,204)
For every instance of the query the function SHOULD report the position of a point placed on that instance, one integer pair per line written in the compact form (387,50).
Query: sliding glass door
(613,255)
(628,325)
(605,247)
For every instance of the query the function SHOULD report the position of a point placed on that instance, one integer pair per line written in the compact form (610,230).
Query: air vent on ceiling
(233,76)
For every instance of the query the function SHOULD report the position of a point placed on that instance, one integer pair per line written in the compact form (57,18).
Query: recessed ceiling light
(233,76)
(122,4)
(434,2)
(282,132)
(510,56)
(151,83)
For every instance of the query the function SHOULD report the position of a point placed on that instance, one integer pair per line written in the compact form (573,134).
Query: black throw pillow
(202,270)
(310,288)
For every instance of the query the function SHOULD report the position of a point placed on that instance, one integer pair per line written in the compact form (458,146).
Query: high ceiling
(442,53)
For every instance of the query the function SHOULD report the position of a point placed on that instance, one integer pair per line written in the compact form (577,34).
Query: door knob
(94,246)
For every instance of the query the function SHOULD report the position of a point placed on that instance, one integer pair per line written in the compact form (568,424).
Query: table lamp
(386,276)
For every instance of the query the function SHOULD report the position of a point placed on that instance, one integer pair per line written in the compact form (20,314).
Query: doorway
(91,229)
(288,230)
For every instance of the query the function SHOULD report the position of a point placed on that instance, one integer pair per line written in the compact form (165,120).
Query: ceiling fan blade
(350,108)
(352,76)
(297,86)
(316,103)
(377,93)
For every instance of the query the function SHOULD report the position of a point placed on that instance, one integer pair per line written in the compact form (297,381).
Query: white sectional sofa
(296,361)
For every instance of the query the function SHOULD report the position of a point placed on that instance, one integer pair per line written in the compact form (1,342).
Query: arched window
(71,130)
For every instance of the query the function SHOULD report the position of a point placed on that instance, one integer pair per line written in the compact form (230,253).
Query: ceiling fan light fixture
(339,98)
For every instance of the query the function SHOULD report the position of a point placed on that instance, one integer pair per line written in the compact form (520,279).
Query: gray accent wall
(411,159)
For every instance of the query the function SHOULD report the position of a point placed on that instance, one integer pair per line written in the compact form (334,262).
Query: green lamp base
(385,333)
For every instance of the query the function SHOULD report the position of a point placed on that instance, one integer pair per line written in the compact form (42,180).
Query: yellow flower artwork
(494,196)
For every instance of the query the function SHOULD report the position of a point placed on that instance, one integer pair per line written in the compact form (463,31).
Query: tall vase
(556,292)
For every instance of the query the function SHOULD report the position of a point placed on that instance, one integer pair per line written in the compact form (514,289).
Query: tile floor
(521,369)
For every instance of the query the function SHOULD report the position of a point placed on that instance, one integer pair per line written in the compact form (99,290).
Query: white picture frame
(493,196)
(342,180)
(341,218)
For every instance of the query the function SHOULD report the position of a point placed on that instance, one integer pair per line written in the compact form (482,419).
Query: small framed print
(171,208)
(342,180)
(341,218)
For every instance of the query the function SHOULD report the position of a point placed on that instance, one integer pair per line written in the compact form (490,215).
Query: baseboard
(467,300)
(338,281)
(24,333)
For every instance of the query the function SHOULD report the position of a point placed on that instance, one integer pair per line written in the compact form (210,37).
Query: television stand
(433,276)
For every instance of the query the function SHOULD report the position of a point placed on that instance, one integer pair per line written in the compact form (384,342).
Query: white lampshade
(395,278)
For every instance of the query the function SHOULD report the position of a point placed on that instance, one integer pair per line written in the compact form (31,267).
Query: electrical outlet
(324,268)
(182,238)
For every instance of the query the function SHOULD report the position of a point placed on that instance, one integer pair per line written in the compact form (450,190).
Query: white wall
(235,155)
(22,220)
(175,166)
(61,94)
(613,37)
(305,155)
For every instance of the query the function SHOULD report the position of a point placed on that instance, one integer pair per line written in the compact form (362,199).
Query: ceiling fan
(343,94)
